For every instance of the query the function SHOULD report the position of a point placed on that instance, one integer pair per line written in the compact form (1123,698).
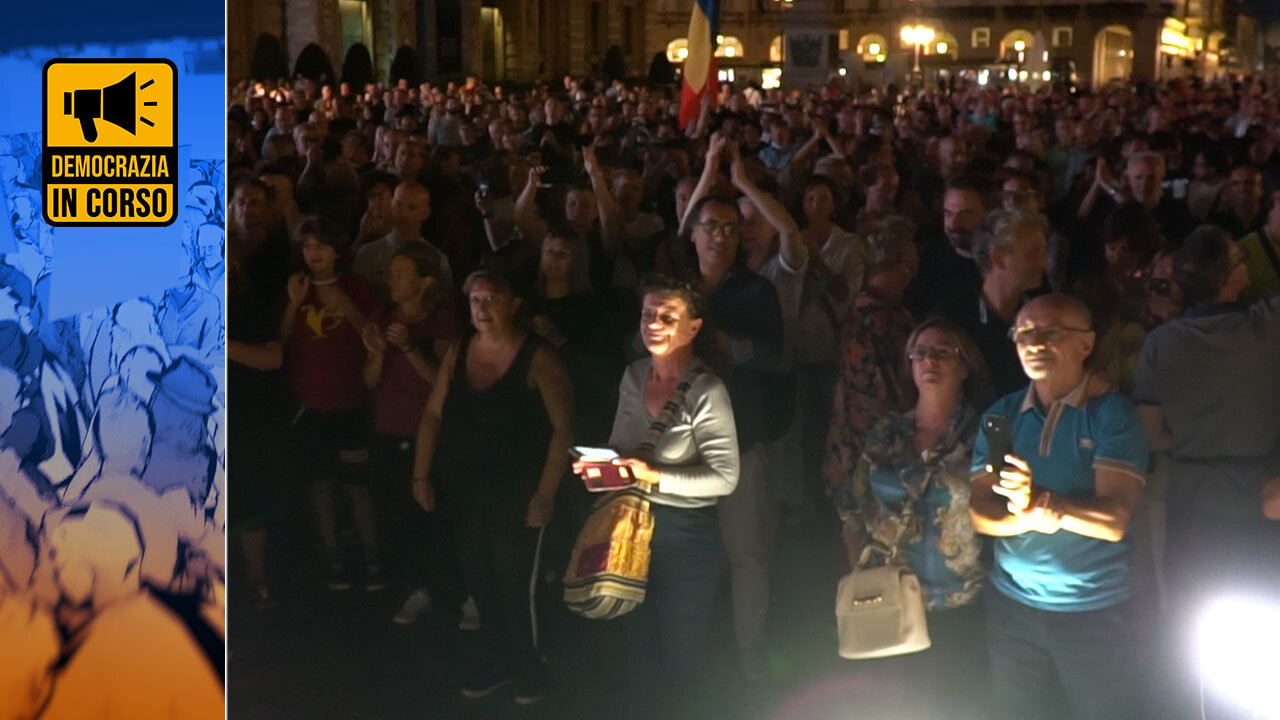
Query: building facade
(527,40)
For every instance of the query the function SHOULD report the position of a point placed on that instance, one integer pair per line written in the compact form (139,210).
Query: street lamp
(918,35)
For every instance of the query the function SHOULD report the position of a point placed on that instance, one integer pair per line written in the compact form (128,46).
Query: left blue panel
(112,397)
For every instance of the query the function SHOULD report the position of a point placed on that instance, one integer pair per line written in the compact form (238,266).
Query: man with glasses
(1058,498)
(1208,392)
(741,340)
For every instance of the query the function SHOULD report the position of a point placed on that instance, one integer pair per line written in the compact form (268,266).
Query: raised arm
(711,166)
(610,218)
(792,245)
(532,227)
(816,140)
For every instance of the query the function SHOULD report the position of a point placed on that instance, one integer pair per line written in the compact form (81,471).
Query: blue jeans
(1045,664)
(667,635)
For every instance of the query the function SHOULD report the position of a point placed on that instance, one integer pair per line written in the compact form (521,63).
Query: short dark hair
(1203,264)
(696,211)
(379,177)
(970,182)
(326,232)
(667,285)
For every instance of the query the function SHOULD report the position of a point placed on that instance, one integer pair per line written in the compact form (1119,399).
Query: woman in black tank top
(493,445)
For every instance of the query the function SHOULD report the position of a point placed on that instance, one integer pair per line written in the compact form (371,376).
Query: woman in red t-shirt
(405,342)
(324,358)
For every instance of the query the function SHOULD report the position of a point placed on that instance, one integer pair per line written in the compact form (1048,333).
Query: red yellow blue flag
(700,64)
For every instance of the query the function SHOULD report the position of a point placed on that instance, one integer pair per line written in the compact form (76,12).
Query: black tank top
(493,442)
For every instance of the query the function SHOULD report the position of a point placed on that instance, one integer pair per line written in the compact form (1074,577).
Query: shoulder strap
(673,404)
(1265,241)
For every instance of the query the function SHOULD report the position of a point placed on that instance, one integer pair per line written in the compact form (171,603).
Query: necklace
(330,281)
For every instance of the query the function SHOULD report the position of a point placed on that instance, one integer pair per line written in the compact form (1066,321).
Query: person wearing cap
(182,454)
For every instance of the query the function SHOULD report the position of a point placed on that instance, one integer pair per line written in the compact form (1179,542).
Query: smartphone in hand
(999,441)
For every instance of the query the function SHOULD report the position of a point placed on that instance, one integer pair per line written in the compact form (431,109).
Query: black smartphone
(999,440)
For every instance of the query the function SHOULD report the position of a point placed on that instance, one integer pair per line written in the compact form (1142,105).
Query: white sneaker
(470,615)
(417,603)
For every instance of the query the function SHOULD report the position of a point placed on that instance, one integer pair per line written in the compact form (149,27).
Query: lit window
(729,46)
(775,50)
(678,50)
(1063,37)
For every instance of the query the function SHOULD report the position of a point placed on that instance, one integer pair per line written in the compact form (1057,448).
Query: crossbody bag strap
(668,412)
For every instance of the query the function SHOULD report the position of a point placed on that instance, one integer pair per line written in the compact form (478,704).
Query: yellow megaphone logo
(115,103)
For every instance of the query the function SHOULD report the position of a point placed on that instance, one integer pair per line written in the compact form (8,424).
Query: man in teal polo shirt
(1058,619)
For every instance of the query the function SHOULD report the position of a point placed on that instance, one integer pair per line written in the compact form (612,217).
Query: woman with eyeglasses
(913,479)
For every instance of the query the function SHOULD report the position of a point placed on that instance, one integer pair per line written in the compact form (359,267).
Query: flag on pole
(700,64)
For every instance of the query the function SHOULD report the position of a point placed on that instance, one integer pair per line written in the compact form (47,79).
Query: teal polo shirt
(1064,445)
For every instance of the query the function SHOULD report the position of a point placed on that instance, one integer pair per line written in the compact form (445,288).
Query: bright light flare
(1237,641)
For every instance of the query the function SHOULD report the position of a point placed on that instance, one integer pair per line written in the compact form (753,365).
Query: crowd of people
(803,301)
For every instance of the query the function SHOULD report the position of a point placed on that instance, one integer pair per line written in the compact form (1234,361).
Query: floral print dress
(873,379)
(938,540)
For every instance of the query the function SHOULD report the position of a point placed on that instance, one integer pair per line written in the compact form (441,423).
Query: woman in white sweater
(693,463)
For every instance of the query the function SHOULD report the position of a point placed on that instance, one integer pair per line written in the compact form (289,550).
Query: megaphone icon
(114,103)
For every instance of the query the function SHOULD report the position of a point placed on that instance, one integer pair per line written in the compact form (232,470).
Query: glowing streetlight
(918,35)
(682,53)
(730,51)
(942,48)
(874,48)
(1019,45)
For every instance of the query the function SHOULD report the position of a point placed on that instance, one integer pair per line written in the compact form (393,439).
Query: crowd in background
(434,291)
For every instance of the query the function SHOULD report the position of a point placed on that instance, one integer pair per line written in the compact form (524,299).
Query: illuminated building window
(678,50)
(729,46)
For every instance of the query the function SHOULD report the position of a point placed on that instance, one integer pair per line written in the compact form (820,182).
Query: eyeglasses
(940,353)
(721,229)
(1049,335)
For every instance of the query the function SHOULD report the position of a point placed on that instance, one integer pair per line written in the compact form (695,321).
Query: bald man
(410,208)
(1058,498)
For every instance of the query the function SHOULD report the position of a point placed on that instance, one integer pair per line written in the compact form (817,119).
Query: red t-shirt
(402,393)
(325,355)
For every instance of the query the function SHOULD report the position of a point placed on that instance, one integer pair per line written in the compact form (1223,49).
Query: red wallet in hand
(604,476)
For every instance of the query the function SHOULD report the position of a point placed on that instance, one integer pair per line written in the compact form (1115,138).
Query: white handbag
(880,610)
(880,613)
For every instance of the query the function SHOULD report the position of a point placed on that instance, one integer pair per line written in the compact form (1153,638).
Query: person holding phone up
(1059,503)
